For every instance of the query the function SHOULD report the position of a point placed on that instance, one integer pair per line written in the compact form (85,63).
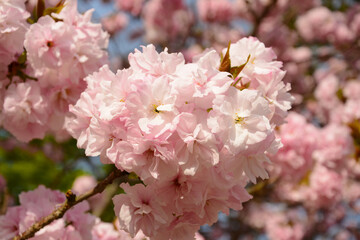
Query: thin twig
(259,18)
(71,200)
(4,201)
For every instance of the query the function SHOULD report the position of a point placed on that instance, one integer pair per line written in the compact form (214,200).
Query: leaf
(57,9)
(235,71)
(340,95)
(306,179)
(30,20)
(225,64)
(22,58)
(39,9)
(244,86)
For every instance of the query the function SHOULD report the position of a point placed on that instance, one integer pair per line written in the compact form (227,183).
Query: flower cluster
(43,65)
(75,224)
(310,167)
(194,133)
(164,21)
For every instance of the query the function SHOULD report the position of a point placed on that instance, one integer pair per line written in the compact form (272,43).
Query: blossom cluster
(76,224)
(43,65)
(311,164)
(314,169)
(194,133)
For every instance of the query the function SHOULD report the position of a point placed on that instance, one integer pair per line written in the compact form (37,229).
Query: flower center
(239,120)
(155,108)
(50,44)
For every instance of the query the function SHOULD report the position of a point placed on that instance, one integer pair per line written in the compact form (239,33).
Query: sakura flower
(299,140)
(115,23)
(325,24)
(186,131)
(179,20)
(276,92)
(325,188)
(9,223)
(132,6)
(76,223)
(261,58)
(151,62)
(336,145)
(215,11)
(139,209)
(243,122)
(152,108)
(49,43)
(25,111)
(201,81)
(105,231)
(13,27)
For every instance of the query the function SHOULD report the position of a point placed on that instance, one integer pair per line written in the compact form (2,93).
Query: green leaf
(30,20)
(225,64)
(340,95)
(306,179)
(57,9)
(235,71)
(22,58)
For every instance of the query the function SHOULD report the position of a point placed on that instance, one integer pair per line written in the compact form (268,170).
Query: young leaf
(57,9)
(235,71)
(39,9)
(225,64)
(22,57)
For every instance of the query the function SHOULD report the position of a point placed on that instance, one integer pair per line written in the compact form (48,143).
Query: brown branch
(259,18)
(71,200)
(4,200)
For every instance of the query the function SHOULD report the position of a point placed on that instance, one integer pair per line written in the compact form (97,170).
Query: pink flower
(325,189)
(25,111)
(261,59)
(352,89)
(185,131)
(115,23)
(240,122)
(76,224)
(9,223)
(83,184)
(276,92)
(279,227)
(34,206)
(299,140)
(177,25)
(13,26)
(132,6)
(198,236)
(215,10)
(151,62)
(49,43)
(326,92)
(105,231)
(335,147)
(139,209)
(240,119)
(316,24)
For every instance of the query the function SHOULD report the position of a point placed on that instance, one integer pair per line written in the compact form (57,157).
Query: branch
(71,200)
(259,18)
